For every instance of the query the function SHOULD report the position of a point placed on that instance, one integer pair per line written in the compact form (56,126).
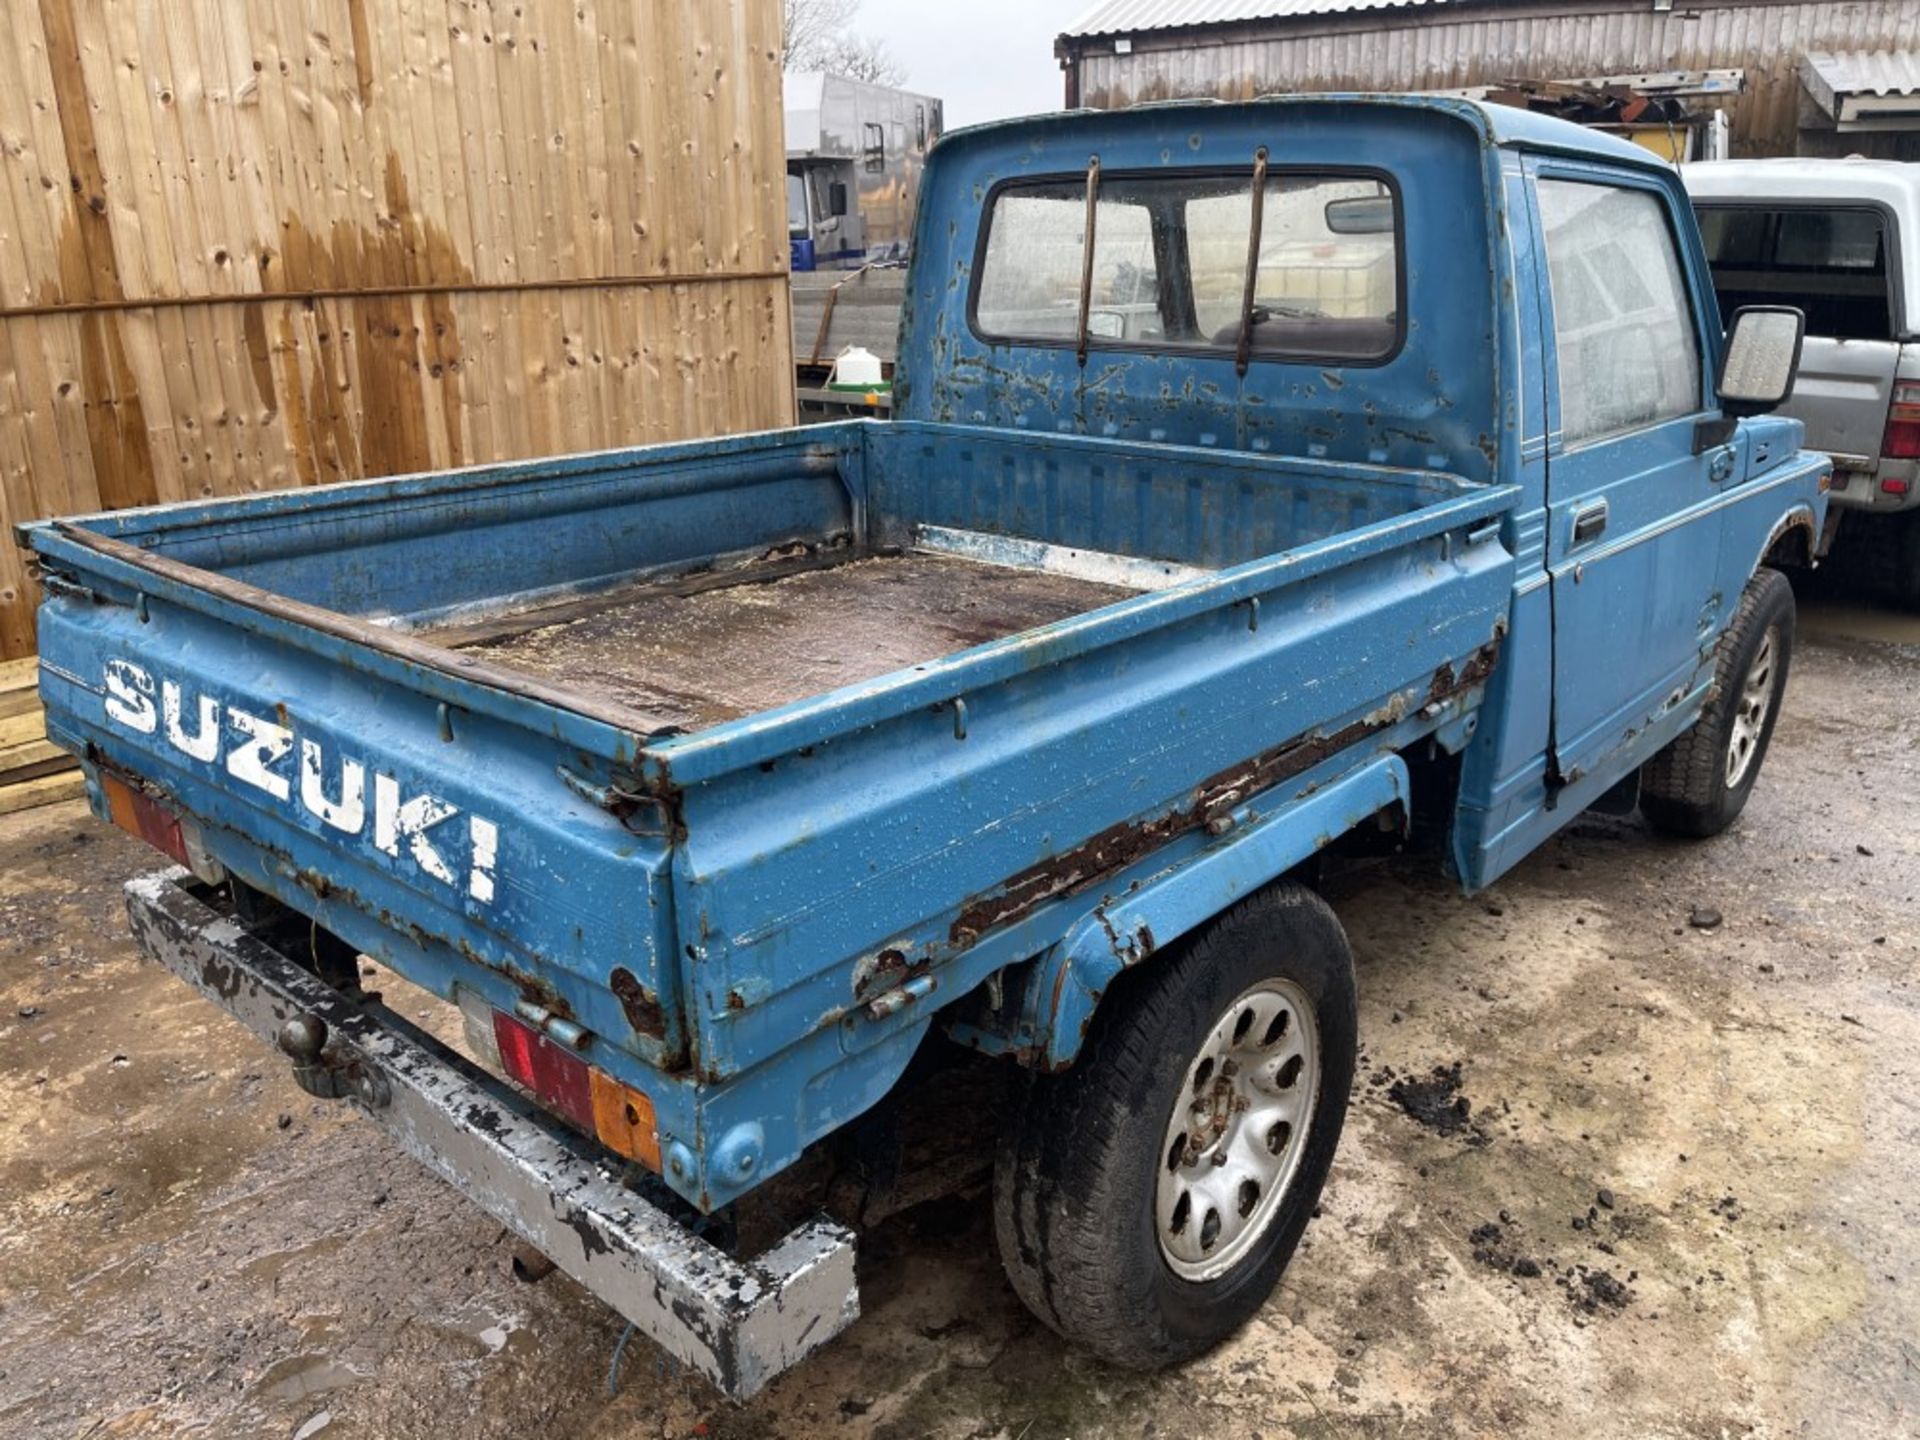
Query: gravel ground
(1607,1172)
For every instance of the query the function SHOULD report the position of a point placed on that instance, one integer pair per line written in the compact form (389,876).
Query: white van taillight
(1902,440)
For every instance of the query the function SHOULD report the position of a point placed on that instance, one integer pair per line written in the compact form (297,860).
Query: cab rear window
(1169,264)
(1831,262)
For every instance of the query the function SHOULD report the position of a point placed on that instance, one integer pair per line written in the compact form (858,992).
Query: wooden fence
(247,244)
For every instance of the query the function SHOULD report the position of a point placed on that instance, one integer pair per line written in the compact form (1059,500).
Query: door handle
(1589,523)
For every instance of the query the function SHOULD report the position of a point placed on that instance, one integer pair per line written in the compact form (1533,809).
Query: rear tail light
(138,813)
(619,1116)
(1902,440)
(553,1073)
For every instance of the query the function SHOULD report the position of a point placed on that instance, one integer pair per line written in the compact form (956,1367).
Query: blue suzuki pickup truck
(1266,478)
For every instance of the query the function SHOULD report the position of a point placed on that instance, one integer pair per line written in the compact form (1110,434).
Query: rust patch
(1121,845)
(406,927)
(314,883)
(786,633)
(1446,683)
(642,1007)
(885,970)
(531,987)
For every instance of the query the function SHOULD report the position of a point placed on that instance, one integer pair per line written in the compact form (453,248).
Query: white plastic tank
(856,368)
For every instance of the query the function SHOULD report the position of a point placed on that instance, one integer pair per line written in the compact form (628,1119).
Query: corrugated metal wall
(255,243)
(1424,49)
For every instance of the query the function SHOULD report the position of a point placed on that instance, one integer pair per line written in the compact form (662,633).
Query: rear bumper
(738,1323)
(1857,485)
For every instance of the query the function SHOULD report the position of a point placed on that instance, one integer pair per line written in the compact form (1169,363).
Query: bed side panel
(810,884)
(432,545)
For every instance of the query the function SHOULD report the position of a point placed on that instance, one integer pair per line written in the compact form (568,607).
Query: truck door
(1633,512)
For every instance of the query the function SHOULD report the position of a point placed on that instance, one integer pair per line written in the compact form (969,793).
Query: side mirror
(1763,353)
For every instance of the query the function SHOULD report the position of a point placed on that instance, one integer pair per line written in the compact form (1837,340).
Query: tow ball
(330,1077)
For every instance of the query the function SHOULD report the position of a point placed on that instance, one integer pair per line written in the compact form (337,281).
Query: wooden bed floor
(698,659)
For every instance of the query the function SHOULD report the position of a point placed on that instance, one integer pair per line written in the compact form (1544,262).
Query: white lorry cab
(855,151)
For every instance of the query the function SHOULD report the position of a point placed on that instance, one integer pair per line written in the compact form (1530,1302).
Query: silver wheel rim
(1750,712)
(1238,1130)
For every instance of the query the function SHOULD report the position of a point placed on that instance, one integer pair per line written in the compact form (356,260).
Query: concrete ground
(1684,1199)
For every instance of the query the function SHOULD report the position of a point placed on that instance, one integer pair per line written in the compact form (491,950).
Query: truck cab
(1266,479)
(1590,380)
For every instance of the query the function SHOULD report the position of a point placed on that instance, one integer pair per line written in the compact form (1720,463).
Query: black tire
(1685,789)
(1886,551)
(1077,1166)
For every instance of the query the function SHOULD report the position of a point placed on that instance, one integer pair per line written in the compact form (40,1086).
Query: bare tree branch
(864,58)
(812,27)
(819,37)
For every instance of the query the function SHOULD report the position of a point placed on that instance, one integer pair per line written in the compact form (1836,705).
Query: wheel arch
(1794,540)
(1056,1004)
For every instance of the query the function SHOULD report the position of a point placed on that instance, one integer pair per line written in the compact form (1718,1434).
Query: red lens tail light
(591,1100)
(552,1072)
(1902,440)
(140,814)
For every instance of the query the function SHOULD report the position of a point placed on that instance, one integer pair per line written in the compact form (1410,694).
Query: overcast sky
(986,59)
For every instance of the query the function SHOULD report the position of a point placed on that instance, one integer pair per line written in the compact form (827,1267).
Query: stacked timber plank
(33,770)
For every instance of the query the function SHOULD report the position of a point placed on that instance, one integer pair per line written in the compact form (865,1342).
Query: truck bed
(733,762)
(696,652)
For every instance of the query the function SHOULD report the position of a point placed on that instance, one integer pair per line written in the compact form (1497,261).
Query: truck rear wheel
(1146,1201)
(1699,784)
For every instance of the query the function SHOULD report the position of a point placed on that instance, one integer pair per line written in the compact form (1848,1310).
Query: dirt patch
(1499,1247)
(1434,1100)
(1594,1291)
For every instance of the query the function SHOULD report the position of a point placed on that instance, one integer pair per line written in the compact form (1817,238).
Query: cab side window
(1629,356)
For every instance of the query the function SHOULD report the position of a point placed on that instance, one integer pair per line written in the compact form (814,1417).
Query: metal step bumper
(738,1323)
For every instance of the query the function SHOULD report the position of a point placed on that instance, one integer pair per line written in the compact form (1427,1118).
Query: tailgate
(465,835)
(1841,394)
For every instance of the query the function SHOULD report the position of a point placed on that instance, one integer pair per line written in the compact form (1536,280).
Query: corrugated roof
(1131,17)
(1867,72)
